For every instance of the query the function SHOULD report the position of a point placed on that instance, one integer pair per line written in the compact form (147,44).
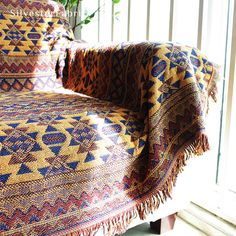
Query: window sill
(206,221)
(219,202)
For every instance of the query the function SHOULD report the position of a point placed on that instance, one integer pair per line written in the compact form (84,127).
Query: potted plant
(75,5)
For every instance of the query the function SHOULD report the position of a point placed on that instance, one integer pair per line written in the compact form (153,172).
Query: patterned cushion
(33,35)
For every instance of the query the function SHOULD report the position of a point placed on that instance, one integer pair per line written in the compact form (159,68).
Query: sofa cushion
(45,133)
(33,35)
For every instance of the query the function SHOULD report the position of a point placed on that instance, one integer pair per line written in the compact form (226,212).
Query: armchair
(105,149)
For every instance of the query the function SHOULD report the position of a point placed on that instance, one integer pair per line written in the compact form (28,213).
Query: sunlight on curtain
(138,20)
(186,21)
(215,29)
(89,32)
(120,21)
(105,23)
(159,20)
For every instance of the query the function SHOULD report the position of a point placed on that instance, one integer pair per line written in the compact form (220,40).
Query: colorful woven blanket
(72,162)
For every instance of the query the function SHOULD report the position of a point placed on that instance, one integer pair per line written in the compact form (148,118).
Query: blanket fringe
(119,224)
(216,77)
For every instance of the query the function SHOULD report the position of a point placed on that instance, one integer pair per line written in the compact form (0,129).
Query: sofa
(92,137)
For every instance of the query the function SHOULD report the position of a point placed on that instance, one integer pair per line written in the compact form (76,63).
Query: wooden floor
(181,228)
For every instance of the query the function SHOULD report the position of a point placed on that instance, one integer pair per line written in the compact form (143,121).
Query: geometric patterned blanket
(71,163)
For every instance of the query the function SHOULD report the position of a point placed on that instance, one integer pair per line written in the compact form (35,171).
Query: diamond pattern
(83,135)
(20,146)
(15,35)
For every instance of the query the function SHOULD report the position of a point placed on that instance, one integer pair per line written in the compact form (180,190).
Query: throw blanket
(71,164)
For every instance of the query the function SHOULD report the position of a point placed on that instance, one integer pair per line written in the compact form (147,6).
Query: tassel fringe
(212,88)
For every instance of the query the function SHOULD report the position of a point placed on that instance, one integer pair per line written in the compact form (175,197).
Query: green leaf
(115,1)
(87,21)
(92,15)
(74,2)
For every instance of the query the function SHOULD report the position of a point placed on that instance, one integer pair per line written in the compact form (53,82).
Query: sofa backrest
(33,36)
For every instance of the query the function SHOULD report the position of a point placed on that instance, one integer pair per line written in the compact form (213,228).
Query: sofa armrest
(129,74)
(107,72)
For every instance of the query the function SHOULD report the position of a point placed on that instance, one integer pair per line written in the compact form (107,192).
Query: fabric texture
(72,163)
(33,34)
(108,149)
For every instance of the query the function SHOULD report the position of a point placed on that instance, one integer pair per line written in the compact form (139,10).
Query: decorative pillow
(33,36)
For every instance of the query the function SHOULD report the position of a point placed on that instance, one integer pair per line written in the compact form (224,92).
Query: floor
(181,228)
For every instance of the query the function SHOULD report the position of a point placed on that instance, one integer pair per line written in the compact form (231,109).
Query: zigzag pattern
(21,84)
(72,204)
(28,5)
(77,201)
(174,127)
(37,67)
